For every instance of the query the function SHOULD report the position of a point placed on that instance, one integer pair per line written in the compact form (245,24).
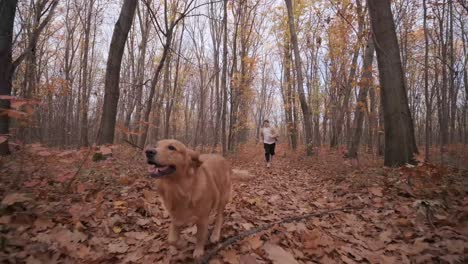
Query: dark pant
(269,150)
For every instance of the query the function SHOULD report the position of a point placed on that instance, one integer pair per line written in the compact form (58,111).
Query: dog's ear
(194,158)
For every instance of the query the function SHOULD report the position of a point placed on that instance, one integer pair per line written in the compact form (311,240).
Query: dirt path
(111,214)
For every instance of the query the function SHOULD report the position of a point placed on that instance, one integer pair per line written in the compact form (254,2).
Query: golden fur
(200,184)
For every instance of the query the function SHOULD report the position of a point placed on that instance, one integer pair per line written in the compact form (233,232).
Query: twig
(133,144)
(75,176)
(207,257)
(429,213)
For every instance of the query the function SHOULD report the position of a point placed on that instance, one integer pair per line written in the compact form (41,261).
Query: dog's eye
(171,148)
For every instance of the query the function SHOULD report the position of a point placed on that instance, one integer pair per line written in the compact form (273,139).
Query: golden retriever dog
(191,186)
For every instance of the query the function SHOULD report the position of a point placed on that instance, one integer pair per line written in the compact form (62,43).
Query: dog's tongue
(152,169)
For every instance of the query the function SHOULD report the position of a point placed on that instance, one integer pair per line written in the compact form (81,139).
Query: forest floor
(109,211)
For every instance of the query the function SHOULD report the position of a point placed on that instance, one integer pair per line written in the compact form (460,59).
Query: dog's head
(170,157)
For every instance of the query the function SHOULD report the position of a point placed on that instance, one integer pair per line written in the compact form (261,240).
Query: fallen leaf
(274,198)
(105,151)
(150,196)
(290,227)
(65,177)
(80,188)
(118,247)
(452,259)
(377,191)
(44,153)
(5,219)
(278,255)
(247,259)
(13,198)
(456,246)
(117,229)
(31,183)
(143,221)
(134,256)
(136,235)
(255,242)
(83,251)
(120,205)
(191,230)
(43,223)
(385,236)
(33,260)
(247,226)
(230,256)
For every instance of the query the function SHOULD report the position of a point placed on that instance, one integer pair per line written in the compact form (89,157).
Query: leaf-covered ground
(109,211)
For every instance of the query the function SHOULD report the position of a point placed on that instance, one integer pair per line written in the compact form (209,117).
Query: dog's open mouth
(157,170)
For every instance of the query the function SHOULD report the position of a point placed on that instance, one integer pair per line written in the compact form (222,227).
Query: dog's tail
(241,175)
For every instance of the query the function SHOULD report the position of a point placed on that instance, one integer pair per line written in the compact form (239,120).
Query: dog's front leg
(202,235)
(174,234)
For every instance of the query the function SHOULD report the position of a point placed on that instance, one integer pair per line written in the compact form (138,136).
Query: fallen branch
(133,144)
(232,240)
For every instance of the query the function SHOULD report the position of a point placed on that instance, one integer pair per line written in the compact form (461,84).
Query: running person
(269,137)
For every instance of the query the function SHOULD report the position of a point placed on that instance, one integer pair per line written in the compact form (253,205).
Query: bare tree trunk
(111,96)
(224,79)
(300,88)
(216,30)
(399,133)
(85,79)
(343,109)
(234,88)
(172,97)
(288,95)
(361,105)
(372,119)
(7,13)
(426,85)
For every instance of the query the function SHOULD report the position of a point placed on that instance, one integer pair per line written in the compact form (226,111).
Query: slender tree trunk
(288,94)
(361,105)
(426,84)
(343,109)
(175,87)
(85,79)
(300,87)
(234,85)
(145,23)
(399,132)
(372,119)
(224,79)
(111,96)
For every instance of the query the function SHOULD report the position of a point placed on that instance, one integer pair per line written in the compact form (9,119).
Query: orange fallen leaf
(278,255)
(13,198)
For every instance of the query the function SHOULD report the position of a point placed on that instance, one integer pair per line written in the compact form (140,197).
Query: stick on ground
(232,240)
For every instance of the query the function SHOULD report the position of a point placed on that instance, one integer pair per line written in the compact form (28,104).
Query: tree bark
(398,124)
(112,79)
(426,84)
(361,105)
(224,79)
(343,108)
(300,87)
(85,79)
(7,13)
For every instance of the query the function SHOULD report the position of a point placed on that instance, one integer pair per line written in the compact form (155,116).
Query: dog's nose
(150,153)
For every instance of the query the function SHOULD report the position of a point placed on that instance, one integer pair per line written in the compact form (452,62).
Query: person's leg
(272,150)
(267,152)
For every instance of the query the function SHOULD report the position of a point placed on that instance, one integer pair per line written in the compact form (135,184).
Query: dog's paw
(178,243)
(198,252)
(214,237)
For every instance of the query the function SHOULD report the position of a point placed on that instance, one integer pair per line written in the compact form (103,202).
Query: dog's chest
(180,206)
